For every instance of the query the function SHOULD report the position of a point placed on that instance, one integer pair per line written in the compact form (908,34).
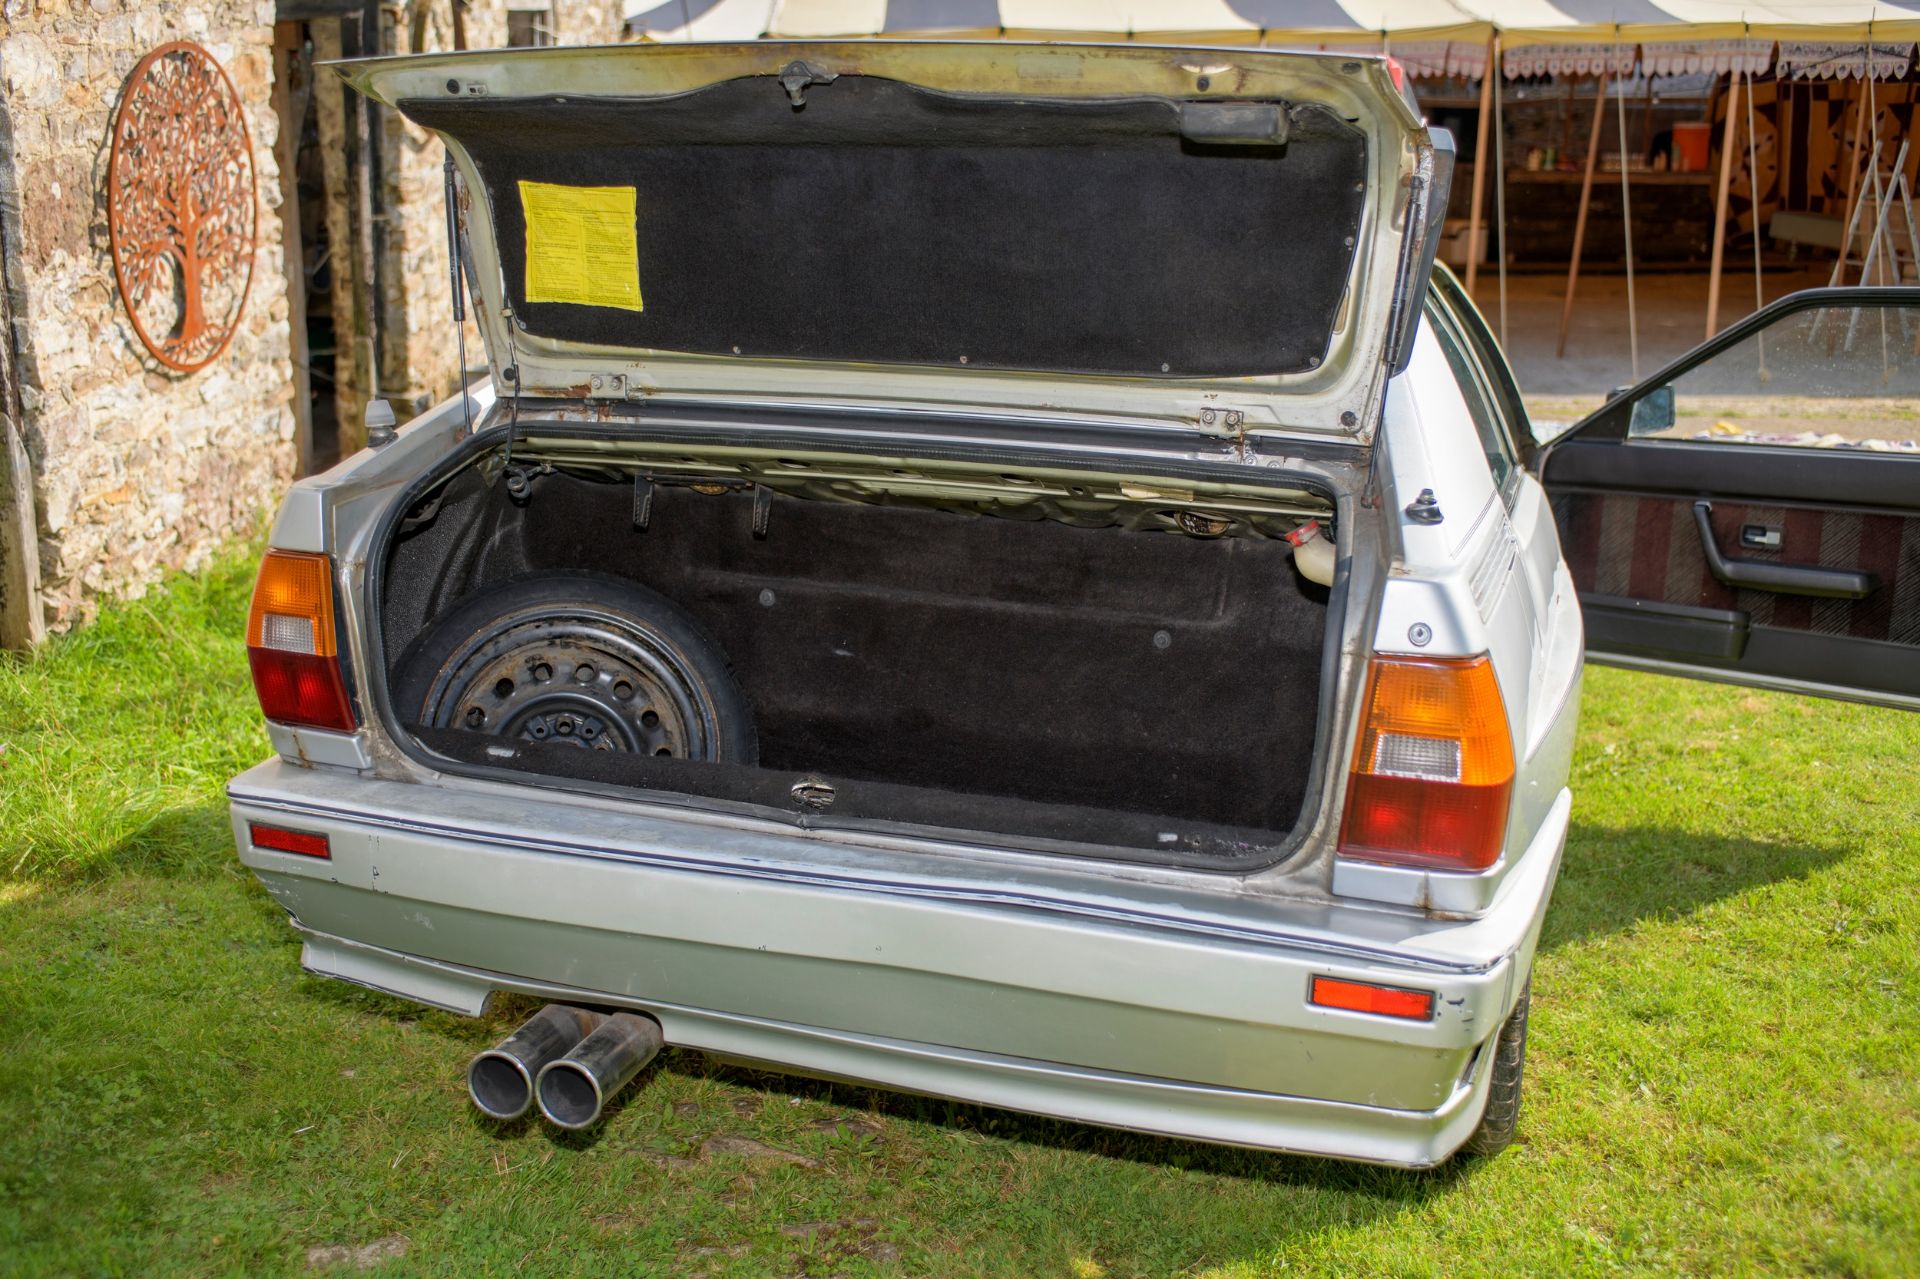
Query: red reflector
(303,842)
(301,688)
(1364,997)
(1398,72)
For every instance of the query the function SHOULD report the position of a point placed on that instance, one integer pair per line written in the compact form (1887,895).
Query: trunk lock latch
(797,77)
(812,794)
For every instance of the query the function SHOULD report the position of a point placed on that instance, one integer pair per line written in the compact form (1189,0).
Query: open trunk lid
(1224,239)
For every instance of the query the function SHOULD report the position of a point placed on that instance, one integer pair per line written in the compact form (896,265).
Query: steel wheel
(588,663)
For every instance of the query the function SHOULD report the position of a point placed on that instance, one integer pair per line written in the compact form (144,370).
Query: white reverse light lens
(288,634)
(1430,759)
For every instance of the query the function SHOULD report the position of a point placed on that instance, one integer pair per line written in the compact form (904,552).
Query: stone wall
(135,469)
(418,364)
(113,468)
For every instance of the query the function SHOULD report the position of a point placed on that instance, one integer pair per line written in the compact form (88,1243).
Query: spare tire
(578,659)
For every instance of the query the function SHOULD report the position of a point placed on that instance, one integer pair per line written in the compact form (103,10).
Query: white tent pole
(1626,227)
(1500,185)
(1580,218)
(1873,172)
(1480,164)
(1753,199)
(1720,205)
(1753,188)
(1881,234)
(1853,179)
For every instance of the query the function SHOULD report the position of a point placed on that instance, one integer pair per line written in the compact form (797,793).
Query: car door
(1751,513)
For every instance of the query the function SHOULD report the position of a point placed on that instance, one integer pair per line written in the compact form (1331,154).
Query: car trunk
(1098,668)
(1216,256)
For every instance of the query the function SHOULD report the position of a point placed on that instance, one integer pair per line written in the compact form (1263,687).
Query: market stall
(1791,104)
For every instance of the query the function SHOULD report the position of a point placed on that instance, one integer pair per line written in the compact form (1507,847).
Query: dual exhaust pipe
(568,1061)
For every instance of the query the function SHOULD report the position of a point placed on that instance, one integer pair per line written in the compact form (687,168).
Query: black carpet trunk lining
(953,661)
(888,223)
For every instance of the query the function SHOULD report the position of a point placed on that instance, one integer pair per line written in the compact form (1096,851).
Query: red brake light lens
(1432,773)
(291,644)
(281,840)
(1365,997)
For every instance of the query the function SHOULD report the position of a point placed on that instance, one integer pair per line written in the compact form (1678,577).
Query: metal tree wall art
(180,205)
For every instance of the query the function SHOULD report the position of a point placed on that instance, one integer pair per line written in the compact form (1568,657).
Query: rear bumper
(1138,1006)
(1232,1116)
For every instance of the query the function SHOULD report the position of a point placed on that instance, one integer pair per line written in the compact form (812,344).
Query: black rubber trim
(1420,249)
(1778,476)
(1161,448)
(768,437)
(1618,624)
(1857,668)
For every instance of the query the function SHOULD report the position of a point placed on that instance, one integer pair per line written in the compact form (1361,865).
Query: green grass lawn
(1724,1072)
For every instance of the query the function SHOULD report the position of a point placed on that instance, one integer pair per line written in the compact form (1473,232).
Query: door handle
(1787,579)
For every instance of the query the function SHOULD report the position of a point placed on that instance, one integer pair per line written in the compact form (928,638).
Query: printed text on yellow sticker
(581,245)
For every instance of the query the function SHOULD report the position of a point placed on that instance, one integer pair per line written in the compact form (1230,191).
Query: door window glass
(1845,377)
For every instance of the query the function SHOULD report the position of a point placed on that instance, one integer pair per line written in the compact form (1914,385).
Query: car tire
(578,659)
(1502,1117)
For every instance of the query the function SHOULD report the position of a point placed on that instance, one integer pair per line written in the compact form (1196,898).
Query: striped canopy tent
(1568,34)
(1845,39)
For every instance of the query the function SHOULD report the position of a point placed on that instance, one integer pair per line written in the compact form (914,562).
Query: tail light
(292,646)
(1433,772)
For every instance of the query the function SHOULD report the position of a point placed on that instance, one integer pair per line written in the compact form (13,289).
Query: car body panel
(1485,578)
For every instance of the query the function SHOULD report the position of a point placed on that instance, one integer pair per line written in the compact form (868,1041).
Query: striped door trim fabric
(1648,548)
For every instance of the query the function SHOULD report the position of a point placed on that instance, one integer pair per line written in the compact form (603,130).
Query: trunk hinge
(1235,421)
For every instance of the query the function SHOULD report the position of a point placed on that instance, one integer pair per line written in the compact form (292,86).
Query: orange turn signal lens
(293,604)
(1432,773)
(292,646)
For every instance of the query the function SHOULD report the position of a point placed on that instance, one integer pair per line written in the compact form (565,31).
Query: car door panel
(1758,563)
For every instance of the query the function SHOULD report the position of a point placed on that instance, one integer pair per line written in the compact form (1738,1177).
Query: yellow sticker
(581,245)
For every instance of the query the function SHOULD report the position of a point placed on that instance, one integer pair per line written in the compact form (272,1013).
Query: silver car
(1005,572)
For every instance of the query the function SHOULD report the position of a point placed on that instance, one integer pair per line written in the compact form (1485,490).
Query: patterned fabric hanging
(1824,60)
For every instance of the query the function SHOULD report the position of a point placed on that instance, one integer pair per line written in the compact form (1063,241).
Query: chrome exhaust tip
(501,1080)
(574,1090)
